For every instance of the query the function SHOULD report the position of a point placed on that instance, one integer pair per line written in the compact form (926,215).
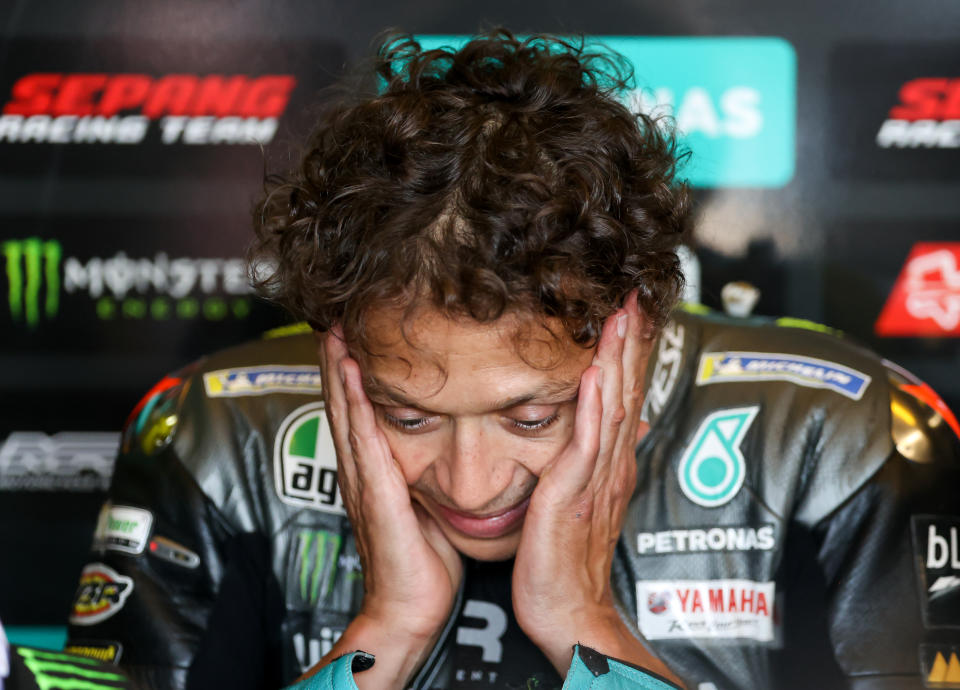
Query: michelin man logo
(713,469)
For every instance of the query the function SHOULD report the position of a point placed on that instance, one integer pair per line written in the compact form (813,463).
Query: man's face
(471,418)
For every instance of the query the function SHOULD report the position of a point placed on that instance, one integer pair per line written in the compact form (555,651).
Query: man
(542,471)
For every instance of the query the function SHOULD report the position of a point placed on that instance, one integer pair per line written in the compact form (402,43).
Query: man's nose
(475,476)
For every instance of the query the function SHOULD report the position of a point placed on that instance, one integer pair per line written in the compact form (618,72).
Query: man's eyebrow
(374,387)
(552,391)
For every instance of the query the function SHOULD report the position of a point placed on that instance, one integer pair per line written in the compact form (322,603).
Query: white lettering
(171,128)
(740,106)
(488,637)
(697,114)
(663,543)
(765,540)
(645,541)
(10,127)
(943,134)
(938,550)
(197,130)
(713,539)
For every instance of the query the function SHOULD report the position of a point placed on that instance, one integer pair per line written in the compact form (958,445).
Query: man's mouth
(485,526)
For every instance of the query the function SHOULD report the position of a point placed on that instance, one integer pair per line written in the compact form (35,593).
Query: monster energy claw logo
(318,555)
(712,469)
(55,671)
(31,263)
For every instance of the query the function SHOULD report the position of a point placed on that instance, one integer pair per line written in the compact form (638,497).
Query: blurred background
(825,141)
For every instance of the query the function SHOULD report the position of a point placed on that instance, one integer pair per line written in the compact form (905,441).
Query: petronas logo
(305,462)
(713,469)
(33,266)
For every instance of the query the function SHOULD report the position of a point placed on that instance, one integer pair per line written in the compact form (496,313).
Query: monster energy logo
(30,263)
(318,555)
(72,673)
(158,287)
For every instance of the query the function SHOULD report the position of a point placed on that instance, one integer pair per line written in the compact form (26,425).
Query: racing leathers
(795,525)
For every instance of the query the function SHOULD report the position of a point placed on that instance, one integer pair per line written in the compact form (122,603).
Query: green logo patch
(712,469)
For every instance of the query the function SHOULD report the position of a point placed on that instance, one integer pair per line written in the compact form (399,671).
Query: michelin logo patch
(730,367)
(233,383)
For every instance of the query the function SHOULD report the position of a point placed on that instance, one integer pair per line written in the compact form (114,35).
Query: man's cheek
(413,457)
(536,457)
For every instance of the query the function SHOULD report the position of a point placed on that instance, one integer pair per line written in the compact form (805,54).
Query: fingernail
(622,325)
(600,379)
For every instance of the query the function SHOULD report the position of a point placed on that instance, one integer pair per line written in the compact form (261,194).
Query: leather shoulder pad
(922,426)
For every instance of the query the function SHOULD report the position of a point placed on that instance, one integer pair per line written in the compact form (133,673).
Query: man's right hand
(411,573)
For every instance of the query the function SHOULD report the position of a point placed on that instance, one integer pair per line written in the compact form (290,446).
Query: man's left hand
(561,577)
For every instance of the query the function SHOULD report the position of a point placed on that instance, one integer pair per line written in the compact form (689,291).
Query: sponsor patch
(314,559)
(66,461)
(101,650)
(728,609)
(101,593)
(305,462)
(666,370)
(706,539)
(940,665)
(895,110)
(58,671)
(169,550)
(122,528)
(925,300)
(936,542)
(730,367)
(232,383)
(310,651)
(712,469)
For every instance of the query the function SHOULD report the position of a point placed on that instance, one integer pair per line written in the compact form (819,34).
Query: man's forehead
(426,332)
(551,390)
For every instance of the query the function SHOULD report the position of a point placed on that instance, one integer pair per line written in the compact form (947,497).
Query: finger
(635,348)
(374,460)
(438,542)
(573,469)
(609,357)
(334,350)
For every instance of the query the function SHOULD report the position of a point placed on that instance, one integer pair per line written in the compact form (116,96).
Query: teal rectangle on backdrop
(733,100)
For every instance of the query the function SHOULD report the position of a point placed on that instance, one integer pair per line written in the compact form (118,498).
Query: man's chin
(498,549)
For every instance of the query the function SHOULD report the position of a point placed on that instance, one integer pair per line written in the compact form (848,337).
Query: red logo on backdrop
(925,301)
(927,116)
(61,108)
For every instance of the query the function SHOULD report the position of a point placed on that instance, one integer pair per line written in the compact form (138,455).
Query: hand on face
(561,575)
(411,573)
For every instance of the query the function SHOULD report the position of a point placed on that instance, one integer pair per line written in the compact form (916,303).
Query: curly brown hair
(505,176)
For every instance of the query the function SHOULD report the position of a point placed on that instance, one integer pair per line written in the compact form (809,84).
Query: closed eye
(408,424)
(534,424)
